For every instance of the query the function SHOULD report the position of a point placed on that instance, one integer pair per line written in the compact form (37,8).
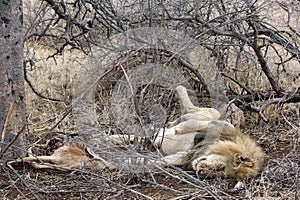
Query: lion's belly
(170,143)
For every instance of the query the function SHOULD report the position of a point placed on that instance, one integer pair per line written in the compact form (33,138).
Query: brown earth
(279,177)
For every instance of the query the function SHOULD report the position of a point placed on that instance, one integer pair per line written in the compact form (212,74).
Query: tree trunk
(12,90)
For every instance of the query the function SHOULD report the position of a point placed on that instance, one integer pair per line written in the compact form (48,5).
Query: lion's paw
(209,166)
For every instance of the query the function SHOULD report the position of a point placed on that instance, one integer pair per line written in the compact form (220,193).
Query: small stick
(13,141)
(6,123)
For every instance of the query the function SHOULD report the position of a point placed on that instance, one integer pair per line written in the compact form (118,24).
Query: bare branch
(264,105)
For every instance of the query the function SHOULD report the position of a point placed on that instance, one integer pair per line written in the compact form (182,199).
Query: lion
(199,141)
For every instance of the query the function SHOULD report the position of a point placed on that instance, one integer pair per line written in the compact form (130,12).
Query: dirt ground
(279,178)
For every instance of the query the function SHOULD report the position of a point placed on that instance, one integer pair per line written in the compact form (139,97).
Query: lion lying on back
(198,140)
(220,150)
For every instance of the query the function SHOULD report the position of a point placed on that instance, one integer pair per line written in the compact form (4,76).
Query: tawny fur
(198,140)
(192,112)
(67,155)
(229,155)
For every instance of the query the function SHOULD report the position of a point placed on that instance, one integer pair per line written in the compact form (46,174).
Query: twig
(260,109)
(127,188)
(237,82)
(290,123)
(33,88)
(67,112)
(224,110)
(134,99)
(23,181)
(263,63)
(197,183)
(13,141)
(6,123)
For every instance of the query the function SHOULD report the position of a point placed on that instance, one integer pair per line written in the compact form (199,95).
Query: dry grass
(280,139)
(52,78)
(278,180)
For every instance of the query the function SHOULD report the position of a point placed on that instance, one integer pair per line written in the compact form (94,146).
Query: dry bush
(281,142)
(53,79)
(52,73)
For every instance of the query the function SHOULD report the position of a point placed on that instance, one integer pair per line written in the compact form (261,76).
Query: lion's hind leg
(177,159)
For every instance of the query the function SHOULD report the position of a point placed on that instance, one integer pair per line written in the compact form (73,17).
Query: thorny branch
(221,27)
(224,28)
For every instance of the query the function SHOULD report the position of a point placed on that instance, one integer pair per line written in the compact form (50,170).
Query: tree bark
(12,89)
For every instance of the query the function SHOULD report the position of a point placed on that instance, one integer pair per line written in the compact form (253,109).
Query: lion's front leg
(206,115)
(188,106)
(211,166)
(177,159)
